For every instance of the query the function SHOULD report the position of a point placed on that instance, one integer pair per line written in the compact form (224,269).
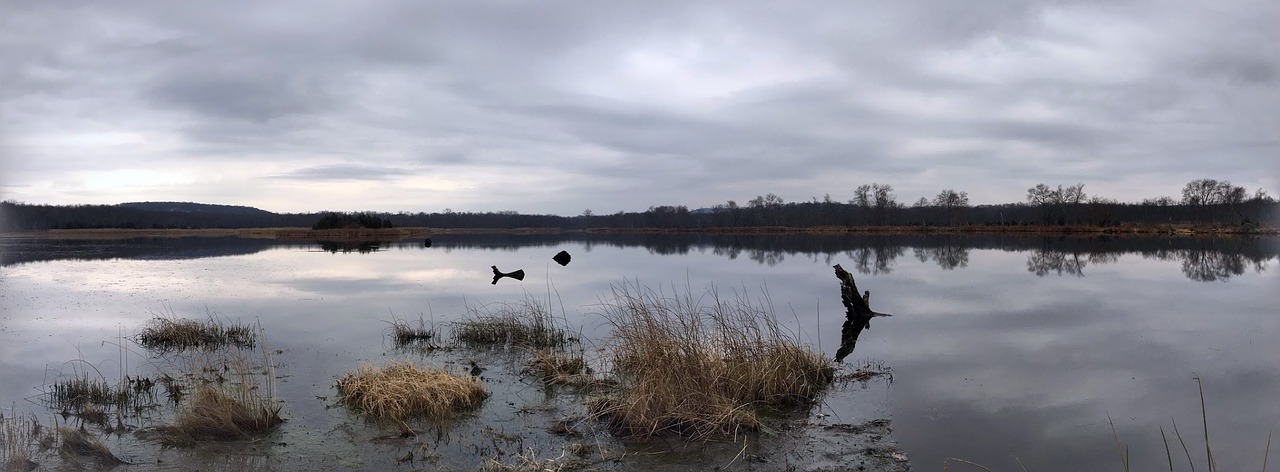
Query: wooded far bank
(1205,202)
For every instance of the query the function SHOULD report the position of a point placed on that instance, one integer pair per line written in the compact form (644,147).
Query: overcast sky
(557,107)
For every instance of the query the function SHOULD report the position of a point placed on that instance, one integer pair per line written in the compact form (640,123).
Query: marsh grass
(403,333)
(79,449)
(566,369)
(225,395)
(397,392)
(168,333)
(702,370)
(556,367)
(218,414)
(21,436)
(86,394)
(529,323)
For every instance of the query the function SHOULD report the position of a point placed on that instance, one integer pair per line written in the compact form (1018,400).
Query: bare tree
(953,203)
(862,196)
(1200,192)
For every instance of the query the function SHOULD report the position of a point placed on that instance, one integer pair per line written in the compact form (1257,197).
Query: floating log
(858,313)
(562,258)
(497,274)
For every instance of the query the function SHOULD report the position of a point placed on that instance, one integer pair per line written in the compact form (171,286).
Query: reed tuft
(702,371)
(399,391)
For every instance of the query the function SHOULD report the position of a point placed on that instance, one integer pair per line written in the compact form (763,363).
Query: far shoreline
(307,234)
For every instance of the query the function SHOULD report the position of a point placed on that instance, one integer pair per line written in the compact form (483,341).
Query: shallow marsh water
(1004,350)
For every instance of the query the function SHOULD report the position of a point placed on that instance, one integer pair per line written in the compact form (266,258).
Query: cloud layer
(554,107)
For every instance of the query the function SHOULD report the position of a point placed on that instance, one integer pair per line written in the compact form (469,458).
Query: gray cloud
(344,172)
(614,103)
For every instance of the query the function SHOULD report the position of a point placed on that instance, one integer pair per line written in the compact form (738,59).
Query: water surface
(1005,350)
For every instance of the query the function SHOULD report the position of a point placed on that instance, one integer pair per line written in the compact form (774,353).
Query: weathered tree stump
(858,313)
(497,274)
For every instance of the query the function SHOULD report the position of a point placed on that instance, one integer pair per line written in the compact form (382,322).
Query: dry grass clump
(528,324)
(215,414)
(79,449)
(20,435)
(170,334)
(702,371)
(399,391)
(226,398)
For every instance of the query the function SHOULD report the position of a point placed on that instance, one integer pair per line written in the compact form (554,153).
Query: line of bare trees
(1203,201)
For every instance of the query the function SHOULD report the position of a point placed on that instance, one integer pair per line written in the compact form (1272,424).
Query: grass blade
(1184,444)
(1124,457)
(1204,417)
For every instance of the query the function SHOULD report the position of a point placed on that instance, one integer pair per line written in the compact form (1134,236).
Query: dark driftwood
(858,313)
(497,274)
(562,258)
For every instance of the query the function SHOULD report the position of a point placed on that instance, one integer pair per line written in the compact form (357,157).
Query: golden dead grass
(79,449)
(215,414)
(19,437)
(399,391)
(220,396)
(702,370)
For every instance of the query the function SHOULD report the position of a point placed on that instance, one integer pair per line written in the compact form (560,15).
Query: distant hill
(189,207)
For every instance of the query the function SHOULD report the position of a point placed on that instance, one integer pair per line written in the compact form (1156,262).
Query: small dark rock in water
(562,258)
(427,243)
(497,274)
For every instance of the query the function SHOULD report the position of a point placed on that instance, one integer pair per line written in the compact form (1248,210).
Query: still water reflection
(1004,349)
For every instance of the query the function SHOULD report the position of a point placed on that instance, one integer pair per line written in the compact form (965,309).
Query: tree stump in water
(497,274)
(857,315)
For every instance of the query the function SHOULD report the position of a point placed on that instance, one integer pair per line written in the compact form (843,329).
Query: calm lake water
(1004,350)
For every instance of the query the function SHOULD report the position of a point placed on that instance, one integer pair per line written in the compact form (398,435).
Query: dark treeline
(1204,201)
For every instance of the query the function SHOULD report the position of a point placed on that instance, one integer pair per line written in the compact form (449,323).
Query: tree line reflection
(1201,259)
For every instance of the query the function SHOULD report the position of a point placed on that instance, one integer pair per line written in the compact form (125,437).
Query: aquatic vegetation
(403,333)
(556,367)
(171,334)
(565,369)
(702,370)
(220,415)
(218,396)
(80,449)
(20,438)
(526,324)
(399,391)
(91,398)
